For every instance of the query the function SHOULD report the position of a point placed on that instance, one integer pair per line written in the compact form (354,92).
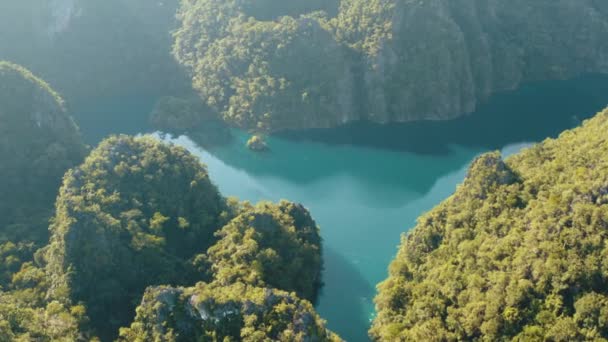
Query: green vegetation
(232,313)
(38,143)
(137,213)
(272,65)
(263,251)
(270,245)
(131,215)
(140,213)
(263,75)
(517,253)
(51,322)
(257,143)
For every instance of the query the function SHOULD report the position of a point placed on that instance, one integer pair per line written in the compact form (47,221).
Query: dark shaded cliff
(94,49)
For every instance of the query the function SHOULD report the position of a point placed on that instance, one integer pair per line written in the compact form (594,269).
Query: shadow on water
(531,113)
(374,170)
(350,298)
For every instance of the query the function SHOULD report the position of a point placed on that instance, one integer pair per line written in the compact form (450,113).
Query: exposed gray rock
(446,56)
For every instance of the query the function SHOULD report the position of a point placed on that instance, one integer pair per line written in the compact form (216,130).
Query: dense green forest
(136,213)
(267,67)
(38,143)
(131,239)
(517,253)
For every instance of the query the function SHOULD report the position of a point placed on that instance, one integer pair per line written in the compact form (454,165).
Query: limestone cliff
(381,60)
(441,58)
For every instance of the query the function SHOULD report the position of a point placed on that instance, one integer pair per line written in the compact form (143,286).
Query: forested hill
(134,217)
(38,143)
(517,253)
(267,67)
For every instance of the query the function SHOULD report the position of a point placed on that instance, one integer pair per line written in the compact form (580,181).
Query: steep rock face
(380,60)
(441,58)
(517,253)
(265,75)
(38,143)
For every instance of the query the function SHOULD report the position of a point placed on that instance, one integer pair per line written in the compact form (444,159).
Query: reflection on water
(366,184)
(361,218)
(534,111)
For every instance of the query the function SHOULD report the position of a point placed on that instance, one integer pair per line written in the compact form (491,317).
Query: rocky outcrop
(383,60)
(132,215)
(441,58)
(237,312)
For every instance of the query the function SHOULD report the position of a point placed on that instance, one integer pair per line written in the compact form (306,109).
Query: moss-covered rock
(265,75)
(52,322)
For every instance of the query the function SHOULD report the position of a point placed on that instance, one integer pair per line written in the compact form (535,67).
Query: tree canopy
(270,245)
(141,213)
(38,143)
(275,65)
(131,215)
(263,74)
(517,253)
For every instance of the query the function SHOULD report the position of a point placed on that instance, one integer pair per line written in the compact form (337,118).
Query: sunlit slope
(518,252)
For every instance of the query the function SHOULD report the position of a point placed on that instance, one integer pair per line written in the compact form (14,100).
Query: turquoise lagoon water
(365,184)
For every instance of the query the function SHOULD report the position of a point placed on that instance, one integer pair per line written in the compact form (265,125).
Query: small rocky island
(257,143)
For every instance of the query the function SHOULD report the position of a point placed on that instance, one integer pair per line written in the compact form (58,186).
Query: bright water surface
(366,184)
